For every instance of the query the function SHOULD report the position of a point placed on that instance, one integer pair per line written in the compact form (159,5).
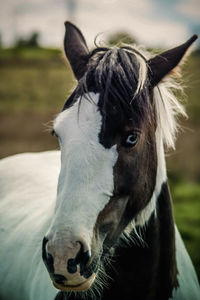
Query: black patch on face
(134,183)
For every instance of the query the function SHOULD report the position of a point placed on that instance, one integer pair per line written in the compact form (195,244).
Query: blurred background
(35,79)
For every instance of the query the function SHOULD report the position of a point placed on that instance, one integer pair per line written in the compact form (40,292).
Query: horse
(95,219)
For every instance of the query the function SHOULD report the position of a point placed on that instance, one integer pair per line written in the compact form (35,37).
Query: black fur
(147,272)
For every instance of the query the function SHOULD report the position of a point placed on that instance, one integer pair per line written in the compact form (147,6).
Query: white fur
(142,73)
(27,199)
(168,109)
(86,178)
(188,283)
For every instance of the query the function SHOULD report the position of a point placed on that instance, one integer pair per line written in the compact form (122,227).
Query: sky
(157,23)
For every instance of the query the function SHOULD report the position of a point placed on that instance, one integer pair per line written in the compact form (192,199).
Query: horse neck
(160,237)
(152,264)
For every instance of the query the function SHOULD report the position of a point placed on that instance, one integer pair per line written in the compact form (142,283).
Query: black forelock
(113,73)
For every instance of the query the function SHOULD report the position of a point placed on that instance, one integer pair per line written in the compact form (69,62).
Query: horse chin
(83,286)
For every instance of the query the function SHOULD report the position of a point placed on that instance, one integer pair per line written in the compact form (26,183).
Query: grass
(27,53)
(33,87)
(33,83)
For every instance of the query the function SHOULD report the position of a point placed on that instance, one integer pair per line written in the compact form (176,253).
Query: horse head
(112,158)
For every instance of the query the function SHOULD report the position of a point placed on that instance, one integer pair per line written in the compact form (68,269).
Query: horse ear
(164,63)
(76,49)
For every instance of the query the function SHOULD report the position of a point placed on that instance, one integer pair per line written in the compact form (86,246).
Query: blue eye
(131,139)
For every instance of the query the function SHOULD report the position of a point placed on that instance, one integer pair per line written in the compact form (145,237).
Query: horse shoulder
(187,278)
(27,198)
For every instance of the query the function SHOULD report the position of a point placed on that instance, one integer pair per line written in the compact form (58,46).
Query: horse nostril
(82,258)
(72,265)
(47,257)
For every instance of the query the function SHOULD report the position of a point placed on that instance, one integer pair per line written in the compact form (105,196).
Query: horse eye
(131,139)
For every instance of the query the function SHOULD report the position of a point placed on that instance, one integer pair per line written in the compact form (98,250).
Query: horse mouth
(76,288)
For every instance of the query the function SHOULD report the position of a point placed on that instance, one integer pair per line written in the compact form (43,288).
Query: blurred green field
(33,87)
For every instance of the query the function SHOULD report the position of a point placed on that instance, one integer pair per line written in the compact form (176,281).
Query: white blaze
(86,178)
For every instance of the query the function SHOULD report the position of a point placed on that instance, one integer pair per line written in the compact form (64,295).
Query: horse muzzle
(69,265)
